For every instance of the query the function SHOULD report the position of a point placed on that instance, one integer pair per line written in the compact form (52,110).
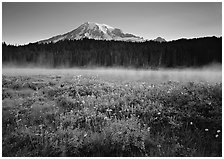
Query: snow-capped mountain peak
(101,27)
(96,31)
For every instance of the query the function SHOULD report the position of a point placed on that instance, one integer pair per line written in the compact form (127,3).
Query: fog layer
(205,74)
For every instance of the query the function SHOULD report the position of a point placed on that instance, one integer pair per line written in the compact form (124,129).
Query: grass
(86,115)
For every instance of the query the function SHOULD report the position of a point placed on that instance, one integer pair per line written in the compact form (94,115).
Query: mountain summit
(95,31)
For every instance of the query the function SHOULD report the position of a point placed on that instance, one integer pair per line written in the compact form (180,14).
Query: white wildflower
(105,118)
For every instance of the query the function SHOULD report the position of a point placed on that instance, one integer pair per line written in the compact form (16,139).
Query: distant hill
(159,39)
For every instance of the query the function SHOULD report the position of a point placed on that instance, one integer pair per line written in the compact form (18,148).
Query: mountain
(95,31)
(159,39)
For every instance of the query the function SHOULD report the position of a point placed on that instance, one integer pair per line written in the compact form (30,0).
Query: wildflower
(109,110)
(216,135)
(218,131)
(191,123)
(148,129)
(206,129)
(19,120)
(143,145)
(158,113)
(105,118)
(85,134)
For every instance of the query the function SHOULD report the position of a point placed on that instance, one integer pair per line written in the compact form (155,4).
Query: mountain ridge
(95,31)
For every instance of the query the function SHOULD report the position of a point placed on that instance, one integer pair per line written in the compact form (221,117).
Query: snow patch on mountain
(95,31)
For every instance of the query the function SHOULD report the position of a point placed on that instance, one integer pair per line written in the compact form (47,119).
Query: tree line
(88,52)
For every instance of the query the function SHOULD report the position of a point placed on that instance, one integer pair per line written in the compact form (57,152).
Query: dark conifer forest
(88,52)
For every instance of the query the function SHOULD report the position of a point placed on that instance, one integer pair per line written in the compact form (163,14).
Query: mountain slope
(95,31)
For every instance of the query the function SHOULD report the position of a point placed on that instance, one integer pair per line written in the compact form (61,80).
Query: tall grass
(80,115)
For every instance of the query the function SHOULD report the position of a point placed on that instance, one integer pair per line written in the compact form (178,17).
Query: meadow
(111,112)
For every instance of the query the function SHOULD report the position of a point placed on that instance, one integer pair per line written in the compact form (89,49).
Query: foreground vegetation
(87,116)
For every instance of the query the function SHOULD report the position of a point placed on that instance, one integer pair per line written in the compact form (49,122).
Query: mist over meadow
(210,73)
(182,60)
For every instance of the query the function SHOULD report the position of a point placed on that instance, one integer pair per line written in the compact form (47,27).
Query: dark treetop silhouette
(88,52)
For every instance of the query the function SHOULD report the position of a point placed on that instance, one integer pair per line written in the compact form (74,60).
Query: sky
(27,22)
